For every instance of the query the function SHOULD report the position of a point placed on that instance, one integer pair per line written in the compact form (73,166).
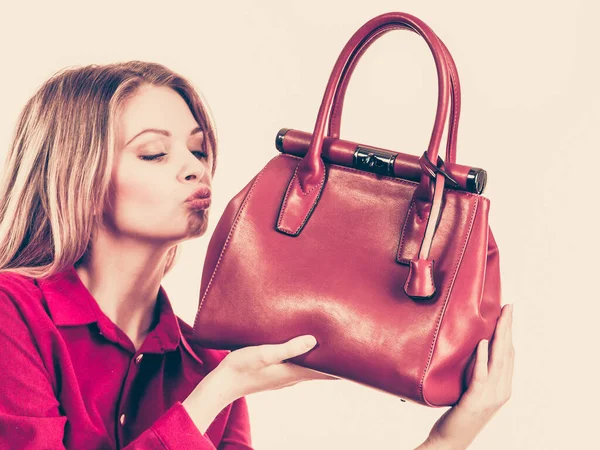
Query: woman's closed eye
(199,154)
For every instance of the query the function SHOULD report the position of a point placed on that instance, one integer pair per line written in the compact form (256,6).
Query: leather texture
(397,278)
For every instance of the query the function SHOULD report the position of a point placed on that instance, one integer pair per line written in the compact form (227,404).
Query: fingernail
(311,341)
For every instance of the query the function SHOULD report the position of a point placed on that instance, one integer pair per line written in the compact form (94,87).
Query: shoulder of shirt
(22,292)
(18,286)
(209,355)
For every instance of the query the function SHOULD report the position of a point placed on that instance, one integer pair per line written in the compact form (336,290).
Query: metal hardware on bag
(279,139)
(432,169)
(476,180)
(374,160)
(472,179)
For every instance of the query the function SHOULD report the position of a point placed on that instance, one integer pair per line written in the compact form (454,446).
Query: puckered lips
(200,199)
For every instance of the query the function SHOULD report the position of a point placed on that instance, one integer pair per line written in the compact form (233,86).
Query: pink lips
(200,199)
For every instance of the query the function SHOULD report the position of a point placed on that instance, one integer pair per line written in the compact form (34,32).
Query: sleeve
(30,414)
(175,430)
(237,432)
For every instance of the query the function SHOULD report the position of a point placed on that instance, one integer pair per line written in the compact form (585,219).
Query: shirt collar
(70,303)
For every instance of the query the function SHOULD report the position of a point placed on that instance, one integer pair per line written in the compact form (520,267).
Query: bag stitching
(401,246)
(285,199)
(448,295)
(320,185)
(408,277)
(226,244)
(314,205)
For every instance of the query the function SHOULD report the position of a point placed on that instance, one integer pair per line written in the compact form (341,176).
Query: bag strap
(306,185)
(307,182)
(334,125)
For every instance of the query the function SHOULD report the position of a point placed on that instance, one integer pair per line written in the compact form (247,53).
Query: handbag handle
(305,187)
(365,33)
(307,182)
(334,122)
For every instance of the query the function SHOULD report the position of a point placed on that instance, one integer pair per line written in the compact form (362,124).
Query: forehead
(154,107)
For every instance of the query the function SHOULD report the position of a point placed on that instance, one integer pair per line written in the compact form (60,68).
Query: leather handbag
(386,258)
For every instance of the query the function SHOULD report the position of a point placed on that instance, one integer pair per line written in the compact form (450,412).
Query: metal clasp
(374,160)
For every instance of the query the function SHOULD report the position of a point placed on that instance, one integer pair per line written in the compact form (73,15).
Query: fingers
(312,374)
(507,377)
(480,371)
(277,376)
(502,355)
(276,353)
(492,375)
(305,373)
(501,342)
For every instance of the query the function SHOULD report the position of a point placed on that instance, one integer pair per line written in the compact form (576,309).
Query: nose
(193,169)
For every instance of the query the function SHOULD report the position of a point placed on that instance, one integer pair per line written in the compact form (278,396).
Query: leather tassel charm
(419,283)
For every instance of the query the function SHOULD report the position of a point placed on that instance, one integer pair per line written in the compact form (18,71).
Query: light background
(531,109)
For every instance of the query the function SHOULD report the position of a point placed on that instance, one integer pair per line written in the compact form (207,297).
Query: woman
(95,199)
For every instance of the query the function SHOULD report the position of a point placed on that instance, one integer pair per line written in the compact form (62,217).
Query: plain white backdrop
(531,110)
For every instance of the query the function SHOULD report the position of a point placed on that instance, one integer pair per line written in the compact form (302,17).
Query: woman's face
(159,163)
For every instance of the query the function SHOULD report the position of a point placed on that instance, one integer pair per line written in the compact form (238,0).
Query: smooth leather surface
(338,277)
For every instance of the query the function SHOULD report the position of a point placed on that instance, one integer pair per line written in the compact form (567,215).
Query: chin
(191,227)
(198,224)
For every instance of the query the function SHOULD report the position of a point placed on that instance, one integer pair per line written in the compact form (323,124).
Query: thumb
(293,347)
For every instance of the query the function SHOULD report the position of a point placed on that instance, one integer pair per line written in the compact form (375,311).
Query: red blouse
(70,378)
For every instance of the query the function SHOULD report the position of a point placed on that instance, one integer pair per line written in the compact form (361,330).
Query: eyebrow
(160,131)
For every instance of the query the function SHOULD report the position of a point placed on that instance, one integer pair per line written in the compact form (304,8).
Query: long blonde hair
(57,173)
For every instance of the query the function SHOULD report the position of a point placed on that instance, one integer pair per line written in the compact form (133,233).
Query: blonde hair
(57,173)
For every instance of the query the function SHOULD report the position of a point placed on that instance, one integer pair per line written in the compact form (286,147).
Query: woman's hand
(490,388)
(247,371)
(263,368)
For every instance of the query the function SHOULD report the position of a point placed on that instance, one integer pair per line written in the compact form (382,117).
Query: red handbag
(386,258)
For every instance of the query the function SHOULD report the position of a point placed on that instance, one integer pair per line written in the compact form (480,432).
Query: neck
(124,276)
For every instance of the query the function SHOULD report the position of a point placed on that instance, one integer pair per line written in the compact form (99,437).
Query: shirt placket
(152,346)
(123,411)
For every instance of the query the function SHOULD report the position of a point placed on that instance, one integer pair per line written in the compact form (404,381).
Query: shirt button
(122,419)
(138,358)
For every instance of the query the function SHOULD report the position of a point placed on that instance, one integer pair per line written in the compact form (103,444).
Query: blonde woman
(111,169)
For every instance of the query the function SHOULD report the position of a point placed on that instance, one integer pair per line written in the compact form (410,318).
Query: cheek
(136,192)
(135,184)
(140,202)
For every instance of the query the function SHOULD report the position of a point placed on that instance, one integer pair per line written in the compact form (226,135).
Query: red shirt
(70,378)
